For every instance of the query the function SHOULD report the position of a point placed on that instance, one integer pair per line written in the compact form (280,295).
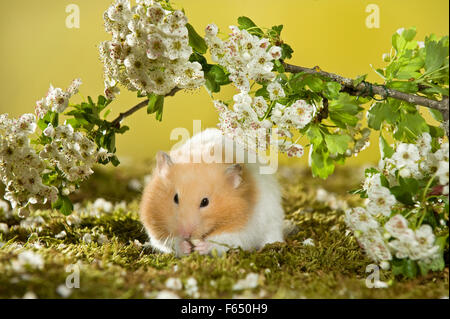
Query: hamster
(197,206)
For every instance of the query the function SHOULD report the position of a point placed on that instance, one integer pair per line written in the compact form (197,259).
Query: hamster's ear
(163,163)
(234,174)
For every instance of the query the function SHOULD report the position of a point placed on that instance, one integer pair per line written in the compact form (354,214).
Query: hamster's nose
(185,232)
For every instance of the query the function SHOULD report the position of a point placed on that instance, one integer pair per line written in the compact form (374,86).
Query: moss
(121,267)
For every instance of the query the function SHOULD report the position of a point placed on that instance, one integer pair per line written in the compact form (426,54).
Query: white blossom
(27,258)
(174,283)
(381,201)
(245,56)
(149,50)
(442,172)
(406,155)
(249,282)
(275,91)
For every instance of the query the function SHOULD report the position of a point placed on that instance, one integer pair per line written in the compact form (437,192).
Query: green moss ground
(120,265)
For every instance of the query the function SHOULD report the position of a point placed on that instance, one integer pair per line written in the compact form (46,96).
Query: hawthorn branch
(361,89)
(116,122)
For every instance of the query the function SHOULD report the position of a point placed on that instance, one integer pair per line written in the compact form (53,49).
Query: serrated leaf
(314,135)
(343,110)
(286,51)
(411,126)
(435,54)
(314,83)
(379,113)
(403,86)
(195,40)
(277,29)
(409,34)
(337,144)
(332,90)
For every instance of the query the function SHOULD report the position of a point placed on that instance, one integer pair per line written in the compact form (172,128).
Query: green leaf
(405,192)
(414,64)
(197,57)
(332,90)
(409,34)
(398,42)
(115,161)
(277,29)
(64,205)
(410,268)
(346,104)
(436,132)
(386,150)
(245,23)
(216,77)
(403,86)
(411,126)
(286,51)
(49,117)
(407,75)
(123,129)
(262,92)
(314,135)
(219,74)
(405,267)
(437,115)
(380,112)
(435,54)
(314,83)
(155,105)
(321,165)
(195,40)
(337,144)
(343,110)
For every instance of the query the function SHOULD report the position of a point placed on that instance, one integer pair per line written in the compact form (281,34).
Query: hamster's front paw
(202,247)
(185,247)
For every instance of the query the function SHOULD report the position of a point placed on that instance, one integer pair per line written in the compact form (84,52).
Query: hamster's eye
(204,202)
(175,198)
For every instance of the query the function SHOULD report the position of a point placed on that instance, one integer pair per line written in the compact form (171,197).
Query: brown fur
(228,211)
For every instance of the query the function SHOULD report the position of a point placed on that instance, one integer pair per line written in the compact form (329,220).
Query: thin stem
(116,122)
(360,89)
(424,195)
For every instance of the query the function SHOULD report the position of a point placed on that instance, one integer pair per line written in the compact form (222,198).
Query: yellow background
(38,49)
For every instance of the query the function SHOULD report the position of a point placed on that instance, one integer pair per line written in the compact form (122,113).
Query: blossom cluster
(245,56)
(249,59)
(149,51)
(21,168)
(72,152)
(388,228)
(418,161)
(57,100)
(36,168)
